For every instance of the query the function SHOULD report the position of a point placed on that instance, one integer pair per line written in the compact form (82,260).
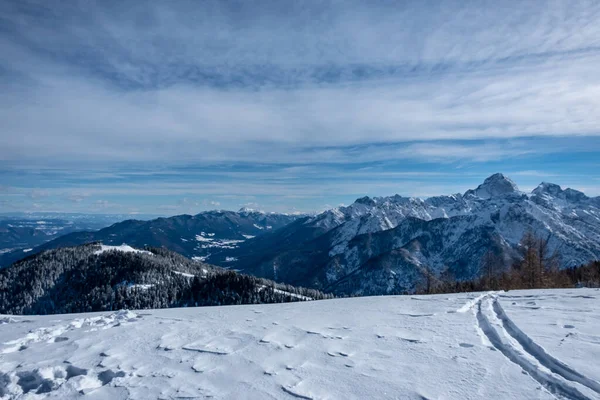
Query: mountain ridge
(190,235)
(448,233)
(96,277)
(378,245)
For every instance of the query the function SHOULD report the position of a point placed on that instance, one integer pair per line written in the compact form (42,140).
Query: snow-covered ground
(124,248)
(510,345)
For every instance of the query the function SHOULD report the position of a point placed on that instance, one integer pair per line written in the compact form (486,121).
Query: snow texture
(541,344)
(124,248)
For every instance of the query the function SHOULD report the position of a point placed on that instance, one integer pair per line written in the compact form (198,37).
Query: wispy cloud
(106,89)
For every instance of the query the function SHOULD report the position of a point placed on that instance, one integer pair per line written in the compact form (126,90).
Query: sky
(291,106)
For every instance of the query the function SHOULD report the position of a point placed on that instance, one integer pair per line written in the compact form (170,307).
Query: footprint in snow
(466,345)
(410,340)
(416,315)
(338,354)
(568,326)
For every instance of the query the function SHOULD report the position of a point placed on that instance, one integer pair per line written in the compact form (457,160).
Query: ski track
(474,302)
(530,354)
(554,365)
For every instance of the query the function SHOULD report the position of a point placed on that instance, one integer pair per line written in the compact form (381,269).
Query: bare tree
(531,266)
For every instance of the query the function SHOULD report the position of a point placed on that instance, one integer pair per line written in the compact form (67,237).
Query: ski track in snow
(519,348)
(355,348)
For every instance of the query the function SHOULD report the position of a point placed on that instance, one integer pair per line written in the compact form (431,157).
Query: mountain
(20,232)
(193,236)
(376,245)
(391,244)
(96,277)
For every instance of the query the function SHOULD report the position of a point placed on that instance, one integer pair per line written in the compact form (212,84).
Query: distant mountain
(20,232)
(390,244)
(193,236)
(95,277)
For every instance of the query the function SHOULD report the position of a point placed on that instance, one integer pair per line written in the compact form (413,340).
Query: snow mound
(5,319)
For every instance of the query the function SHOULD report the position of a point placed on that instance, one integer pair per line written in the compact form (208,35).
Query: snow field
(389,347)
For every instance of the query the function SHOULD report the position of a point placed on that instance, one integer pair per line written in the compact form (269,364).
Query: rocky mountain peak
(366,200)
(553,190)
(494,186)
(548,188)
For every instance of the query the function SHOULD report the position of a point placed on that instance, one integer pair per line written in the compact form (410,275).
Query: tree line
(536,268)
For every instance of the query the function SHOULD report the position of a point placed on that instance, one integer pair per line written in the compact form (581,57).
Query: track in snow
(554,365)
(528,354)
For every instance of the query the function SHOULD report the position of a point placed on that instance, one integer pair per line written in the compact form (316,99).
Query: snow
(258,227)
(298,296)
(142,286)
(218,243)
(230,259)
(249,236)
(540,344)
(200,238)
(27,250)
(472,303)
(124,248)
(184,274)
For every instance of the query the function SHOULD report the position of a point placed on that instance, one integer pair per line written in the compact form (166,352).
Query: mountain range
(194,236)
(377,245)
(390,244)
(21,232)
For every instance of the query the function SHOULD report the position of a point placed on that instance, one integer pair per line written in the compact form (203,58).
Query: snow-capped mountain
(375,245)
(383,244)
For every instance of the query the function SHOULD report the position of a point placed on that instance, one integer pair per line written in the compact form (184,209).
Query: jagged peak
(366,200)
(574,195)
(493,186)
(554,190)
(548,188)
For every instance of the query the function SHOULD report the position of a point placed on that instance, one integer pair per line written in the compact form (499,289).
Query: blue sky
(177,107)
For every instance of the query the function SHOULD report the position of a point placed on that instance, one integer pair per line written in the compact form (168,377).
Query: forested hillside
(94,277)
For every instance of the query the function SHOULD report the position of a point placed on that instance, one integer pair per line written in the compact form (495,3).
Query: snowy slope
(463,346)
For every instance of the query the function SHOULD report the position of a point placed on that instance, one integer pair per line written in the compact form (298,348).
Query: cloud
(263,98)
(77,197)
(38,194)
(484,72)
